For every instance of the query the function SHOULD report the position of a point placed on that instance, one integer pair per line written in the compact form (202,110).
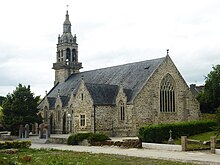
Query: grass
(57,157)
(202,137)
(208,116)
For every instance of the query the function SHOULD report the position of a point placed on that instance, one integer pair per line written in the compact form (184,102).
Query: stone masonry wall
(83,105)
(147,102)
(108,117)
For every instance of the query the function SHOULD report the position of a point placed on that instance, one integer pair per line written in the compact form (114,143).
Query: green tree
(20,107)
(210,98)
(2,98)
(204,107)
(1,114)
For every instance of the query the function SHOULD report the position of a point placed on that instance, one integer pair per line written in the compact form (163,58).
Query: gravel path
(194,157)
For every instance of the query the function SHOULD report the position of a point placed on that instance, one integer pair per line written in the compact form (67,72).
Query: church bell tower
(67,54)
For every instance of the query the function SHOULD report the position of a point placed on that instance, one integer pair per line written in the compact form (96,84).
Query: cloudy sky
(110,32)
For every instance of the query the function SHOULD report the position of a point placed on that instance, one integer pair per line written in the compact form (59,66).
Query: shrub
(160,133)
(15,144)
(98,137)
(74,139)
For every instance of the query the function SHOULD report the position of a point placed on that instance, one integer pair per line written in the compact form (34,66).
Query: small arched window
(58,113)
(45,113)
(122,111)
(82,96)
(71,108)
(167,94)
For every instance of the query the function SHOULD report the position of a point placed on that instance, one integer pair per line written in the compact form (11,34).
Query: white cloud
(109,32)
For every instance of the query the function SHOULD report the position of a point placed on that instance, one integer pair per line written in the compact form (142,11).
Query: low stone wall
(8,137)
(166,147)
(126,143)
(57,140)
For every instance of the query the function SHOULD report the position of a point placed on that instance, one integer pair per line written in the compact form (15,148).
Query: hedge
(74,139)
(15,144)
(160,133)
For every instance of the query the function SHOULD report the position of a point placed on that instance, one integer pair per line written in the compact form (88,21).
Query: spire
(67,16)
(67,24)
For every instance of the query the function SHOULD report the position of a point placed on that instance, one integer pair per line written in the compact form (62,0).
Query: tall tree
(2,98)
(210,97)
(20,107)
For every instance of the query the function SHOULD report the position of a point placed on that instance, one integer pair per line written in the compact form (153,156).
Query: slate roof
(52,101)
(196,89)
(64,100)
(103,83)
(103,94)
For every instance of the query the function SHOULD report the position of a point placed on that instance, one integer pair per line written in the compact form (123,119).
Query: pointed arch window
(122,111)
(167,94)
(45,113)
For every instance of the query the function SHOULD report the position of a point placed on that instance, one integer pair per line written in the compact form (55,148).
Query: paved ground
(196,157)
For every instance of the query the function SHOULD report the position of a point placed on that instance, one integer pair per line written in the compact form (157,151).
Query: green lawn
(55,157)
(207,116)
(202,137)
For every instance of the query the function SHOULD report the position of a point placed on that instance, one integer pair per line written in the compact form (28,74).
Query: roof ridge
(120,65)
(101,84)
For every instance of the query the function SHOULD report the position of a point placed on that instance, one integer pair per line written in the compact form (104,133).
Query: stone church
(116,100)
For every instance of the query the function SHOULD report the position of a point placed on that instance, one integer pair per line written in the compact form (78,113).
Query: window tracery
(167,94)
